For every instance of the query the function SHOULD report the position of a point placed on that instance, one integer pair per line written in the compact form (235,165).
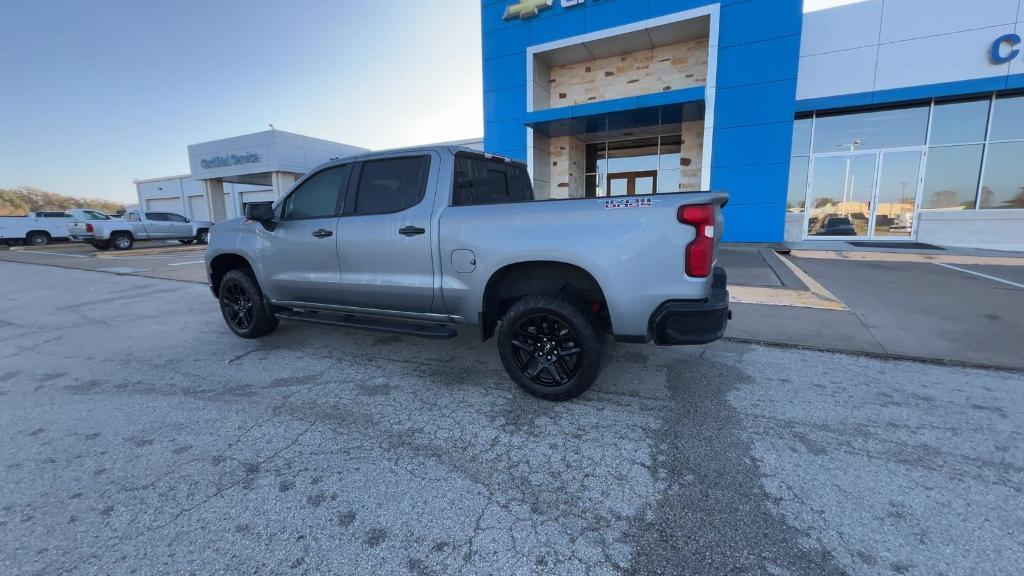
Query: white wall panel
(841,28)
(836,73)
(200,209)
(905,19)
(936,59)
(165,205)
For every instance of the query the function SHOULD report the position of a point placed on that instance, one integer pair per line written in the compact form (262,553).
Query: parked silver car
(419,241)
(104,232)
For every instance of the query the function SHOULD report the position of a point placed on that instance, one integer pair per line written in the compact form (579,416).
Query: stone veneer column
(691,155)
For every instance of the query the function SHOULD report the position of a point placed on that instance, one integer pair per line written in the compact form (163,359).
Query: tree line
(24,199)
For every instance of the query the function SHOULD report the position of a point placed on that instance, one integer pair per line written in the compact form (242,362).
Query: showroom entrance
(864,195)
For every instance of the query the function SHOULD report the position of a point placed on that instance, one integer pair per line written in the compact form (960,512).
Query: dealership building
(875,120)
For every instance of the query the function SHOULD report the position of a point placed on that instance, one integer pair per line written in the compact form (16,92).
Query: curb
(879,355)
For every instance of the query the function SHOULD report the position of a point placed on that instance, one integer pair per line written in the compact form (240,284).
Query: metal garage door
(200,210)
(165,205)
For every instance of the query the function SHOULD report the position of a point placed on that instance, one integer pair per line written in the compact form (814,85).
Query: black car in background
(836,226)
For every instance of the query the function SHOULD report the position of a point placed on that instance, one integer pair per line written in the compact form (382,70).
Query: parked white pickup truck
(121,234)
(35,229)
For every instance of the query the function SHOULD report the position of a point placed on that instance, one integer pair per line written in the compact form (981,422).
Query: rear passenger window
(317,197)
(155,217)
(481,181)
(391,185)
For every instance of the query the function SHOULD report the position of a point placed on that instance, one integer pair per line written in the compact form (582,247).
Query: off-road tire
(259,314)
(585,335)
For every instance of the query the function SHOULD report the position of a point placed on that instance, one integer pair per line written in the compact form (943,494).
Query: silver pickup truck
(121,233)
(419,241)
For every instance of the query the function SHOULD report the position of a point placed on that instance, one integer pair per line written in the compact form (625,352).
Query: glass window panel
(317,197)
(870,130)
(797,195)
(1008,119)
(644,184)
(897,192)
(959,122)
(841,191)
(617,186)
(1003,183)
(669,153)
(632,155)
(951,177)
(668,180)
(801,137)
(395,184)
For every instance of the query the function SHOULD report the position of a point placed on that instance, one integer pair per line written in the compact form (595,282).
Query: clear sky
(96,93)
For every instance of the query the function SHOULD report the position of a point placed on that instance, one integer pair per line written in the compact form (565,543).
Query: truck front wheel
(244,307)
(550,347)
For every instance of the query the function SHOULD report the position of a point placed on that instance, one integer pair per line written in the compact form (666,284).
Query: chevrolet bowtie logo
(526,9)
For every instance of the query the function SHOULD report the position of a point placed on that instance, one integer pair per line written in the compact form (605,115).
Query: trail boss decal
(630,203)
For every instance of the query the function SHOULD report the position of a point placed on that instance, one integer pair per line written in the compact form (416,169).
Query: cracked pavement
(139,435)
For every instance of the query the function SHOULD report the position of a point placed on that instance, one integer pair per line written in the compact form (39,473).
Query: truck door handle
(323,233)
(411,231)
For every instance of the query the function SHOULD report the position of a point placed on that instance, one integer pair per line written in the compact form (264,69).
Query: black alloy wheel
(546,350)
(550,346)
(236,303)
(243,305)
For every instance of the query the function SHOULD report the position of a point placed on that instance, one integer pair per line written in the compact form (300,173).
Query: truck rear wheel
(244,307)
(121,241)
(203,236)
(37,239)
(550,347)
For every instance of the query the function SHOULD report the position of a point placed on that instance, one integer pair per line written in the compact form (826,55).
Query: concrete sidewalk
(963,307)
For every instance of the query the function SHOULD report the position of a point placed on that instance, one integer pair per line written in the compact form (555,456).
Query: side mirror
(262,213)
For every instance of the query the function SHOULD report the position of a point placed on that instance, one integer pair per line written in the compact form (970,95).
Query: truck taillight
(88,228)
(700,252)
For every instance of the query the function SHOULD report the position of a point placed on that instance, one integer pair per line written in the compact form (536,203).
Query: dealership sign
(1005,48)
(229,160)
(526,9)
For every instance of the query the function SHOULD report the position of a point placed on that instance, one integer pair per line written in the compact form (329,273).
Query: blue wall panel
(505,72)
(754,107)
(752,184)
(504,104)
(774,103)
(763,61)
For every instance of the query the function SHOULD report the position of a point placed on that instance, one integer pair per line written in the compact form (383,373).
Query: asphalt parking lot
(153,259)
(140,436)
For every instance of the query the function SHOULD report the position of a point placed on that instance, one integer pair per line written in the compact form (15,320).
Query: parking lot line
(184,263)
(995,278)
(53,253)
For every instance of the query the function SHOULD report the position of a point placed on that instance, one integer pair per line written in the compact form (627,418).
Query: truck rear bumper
(680,322)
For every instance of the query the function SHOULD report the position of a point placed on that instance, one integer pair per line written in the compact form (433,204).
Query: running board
(438,331)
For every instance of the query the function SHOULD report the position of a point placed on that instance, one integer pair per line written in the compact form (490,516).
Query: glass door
(896,199)
(840,194)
